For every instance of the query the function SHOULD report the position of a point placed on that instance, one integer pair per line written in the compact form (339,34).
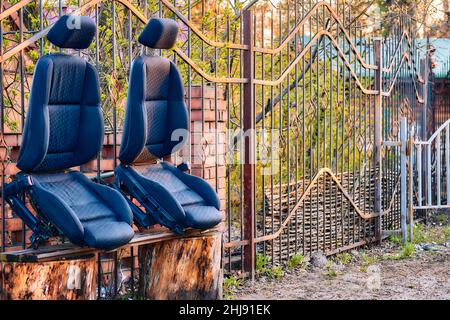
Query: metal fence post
(403,177)
(424,129)
(424,118)
(410,155)
(378,135)
(249,147)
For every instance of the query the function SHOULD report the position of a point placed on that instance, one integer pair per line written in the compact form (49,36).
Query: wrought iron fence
(308,103)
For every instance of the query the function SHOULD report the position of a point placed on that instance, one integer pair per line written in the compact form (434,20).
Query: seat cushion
(202,217)
(107,233)
(70,199)
(198,213)
(181,192)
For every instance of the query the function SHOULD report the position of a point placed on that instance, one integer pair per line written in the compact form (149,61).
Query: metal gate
(425,174)
(308,102)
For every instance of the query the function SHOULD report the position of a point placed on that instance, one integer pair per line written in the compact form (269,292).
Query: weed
(447,233)
(276,272)
(295,261)
(331,273)
(230,286)
(330,269)
(397,239)
(442,218)
(344,258)
(407,250)
(367,261)
(438,234)
(420,234)
(261,262)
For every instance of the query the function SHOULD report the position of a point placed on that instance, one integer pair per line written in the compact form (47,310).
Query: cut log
(188,268)
(54,280)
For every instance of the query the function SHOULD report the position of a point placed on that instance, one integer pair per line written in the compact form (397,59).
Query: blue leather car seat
(156,126)
(63,129)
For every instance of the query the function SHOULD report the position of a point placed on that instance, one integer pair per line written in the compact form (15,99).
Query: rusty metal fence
(295,109)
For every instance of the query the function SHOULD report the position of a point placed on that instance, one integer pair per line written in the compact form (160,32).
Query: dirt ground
(373,273)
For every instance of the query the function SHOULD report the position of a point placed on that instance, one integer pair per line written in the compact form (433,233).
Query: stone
(318,259)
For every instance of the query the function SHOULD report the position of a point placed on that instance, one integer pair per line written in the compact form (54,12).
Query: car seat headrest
(75,32)
(159,33)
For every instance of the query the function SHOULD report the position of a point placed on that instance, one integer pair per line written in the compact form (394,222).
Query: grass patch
(262,267)
(276,272)
(295,261)
(438,234)
(261,262)
(344,258)
(331,272)
(422,234)
(395,238)
(367,261)
(230,286)
(442,218)
(407,251)
(447,233)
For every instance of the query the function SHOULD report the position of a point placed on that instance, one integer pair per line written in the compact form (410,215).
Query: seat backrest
(156,119)
(64,123)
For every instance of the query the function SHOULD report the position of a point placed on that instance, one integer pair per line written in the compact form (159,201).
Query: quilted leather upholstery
(199,203)
(156,125)
(155,110)
(87,213)
(63,129)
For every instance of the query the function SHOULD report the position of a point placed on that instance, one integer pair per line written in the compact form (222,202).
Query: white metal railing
(432,170)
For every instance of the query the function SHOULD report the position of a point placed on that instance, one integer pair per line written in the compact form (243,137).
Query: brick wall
(207,161)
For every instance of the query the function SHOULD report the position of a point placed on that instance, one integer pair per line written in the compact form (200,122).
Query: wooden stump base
(187,268)
(170,267)
(53,280)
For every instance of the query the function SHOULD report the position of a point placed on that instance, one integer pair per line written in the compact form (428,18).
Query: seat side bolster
(178,120)
(61,215)
(36,132)
(90,136)
(161,194)
(134,131)
(112,198)
(197,184)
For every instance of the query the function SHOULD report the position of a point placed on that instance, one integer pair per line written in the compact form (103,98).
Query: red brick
(11,169)
(12,224)
(11,140)
(208,92)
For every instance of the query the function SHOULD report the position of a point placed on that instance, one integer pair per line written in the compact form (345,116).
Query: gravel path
(371,274)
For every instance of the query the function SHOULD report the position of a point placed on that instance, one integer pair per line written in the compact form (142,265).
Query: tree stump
(54,280)
(187,268)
